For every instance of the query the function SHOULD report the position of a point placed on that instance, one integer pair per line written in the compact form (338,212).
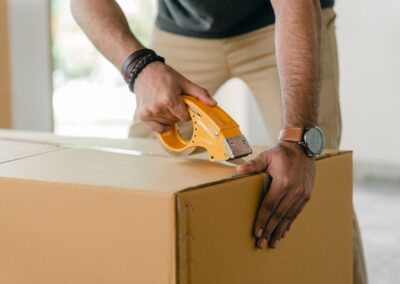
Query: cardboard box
(13,149)
(73,215)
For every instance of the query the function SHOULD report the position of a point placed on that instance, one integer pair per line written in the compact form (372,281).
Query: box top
(13,149)
(138,144)
(101,168)
(139,164)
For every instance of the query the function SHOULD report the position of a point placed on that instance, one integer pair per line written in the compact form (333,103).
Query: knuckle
(204,92)
(166,101)
(268,207)
(143,114)
(157,107)
(156,128)
(298,192)
(267,233)
(307,196)
(284,182)
(278,215)
(279,230)
(290,217)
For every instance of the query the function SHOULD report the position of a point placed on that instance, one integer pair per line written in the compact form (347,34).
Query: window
(90,98)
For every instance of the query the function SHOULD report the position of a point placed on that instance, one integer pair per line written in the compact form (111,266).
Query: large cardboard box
(71,215)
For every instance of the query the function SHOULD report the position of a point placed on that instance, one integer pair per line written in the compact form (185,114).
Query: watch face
(314,140)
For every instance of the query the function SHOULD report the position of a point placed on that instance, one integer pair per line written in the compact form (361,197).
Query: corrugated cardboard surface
(87,216)
(217,245)
(91,167)
(13,150)
(139,144)
(145,146)
(63,233)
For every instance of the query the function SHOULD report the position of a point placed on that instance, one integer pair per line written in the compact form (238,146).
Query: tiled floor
(378,207)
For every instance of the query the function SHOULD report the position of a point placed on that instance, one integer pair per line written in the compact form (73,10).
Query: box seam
(32,154)
(182,260)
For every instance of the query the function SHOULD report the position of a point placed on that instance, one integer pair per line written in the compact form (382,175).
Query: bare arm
(158,87)
(298,51)
(106,26)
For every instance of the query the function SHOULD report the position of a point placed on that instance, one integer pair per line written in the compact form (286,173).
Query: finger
(299,210)
(277,217)
(166,118)
(157,114)
(157,127)
(163,119)
(180,110)
(258,164)
(201,94)
(281,228)
(271,200)
(162,115)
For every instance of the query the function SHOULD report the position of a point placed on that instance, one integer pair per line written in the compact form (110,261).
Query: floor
(378,208)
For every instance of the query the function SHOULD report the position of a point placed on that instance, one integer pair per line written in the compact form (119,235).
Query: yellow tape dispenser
(213,130)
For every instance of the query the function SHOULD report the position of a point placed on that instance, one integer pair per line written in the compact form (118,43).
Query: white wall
(369,44)
(30,64)
(368,35)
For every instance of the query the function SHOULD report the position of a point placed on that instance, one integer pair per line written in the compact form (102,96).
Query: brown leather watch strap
(292,134)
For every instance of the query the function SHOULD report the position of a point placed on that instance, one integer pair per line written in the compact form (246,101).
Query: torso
(216,18)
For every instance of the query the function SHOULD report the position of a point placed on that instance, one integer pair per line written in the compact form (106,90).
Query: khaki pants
(251,57)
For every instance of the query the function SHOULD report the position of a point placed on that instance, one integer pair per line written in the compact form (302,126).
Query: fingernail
(275,244)
(284,234)
(263,243)
(259,233)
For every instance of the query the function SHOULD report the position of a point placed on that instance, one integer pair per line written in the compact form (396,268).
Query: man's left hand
(292,175)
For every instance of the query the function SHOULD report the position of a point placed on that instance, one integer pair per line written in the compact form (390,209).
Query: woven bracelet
(134,57)
(139,68)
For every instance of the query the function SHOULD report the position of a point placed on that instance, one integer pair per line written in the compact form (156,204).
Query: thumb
(258,164)
(191,89)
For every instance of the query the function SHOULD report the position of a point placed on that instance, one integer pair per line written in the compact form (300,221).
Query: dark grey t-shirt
(216,18)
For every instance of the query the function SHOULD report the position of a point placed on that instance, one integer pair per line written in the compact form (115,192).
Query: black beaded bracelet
(139,68)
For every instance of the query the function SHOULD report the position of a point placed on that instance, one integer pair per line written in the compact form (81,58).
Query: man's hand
(158,87)
(292,175)
(159,90)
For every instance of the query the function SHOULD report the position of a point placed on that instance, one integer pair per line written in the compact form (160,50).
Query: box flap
(140,167)
(12,150)
(91,167)
(143,145)
(138,144)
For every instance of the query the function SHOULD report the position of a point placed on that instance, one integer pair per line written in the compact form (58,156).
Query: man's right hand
(159,90)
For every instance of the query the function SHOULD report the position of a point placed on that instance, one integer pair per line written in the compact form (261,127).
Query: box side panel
(59,233)
(220,247)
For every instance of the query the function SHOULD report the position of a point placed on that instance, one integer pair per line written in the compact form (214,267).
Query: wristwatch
(311,139)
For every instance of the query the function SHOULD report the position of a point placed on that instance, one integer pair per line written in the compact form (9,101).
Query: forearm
(298,51)
(106,26)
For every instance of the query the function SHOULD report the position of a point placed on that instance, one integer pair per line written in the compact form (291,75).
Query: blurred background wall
(89,97)
(5,92)
(31,68)
(369,44)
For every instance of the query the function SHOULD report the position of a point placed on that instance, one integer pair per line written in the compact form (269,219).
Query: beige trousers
(251,57)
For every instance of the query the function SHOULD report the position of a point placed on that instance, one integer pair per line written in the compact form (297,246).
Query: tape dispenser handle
(172,140)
